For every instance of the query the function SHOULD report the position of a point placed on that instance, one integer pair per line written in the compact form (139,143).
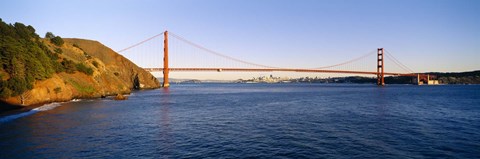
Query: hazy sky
(426,35)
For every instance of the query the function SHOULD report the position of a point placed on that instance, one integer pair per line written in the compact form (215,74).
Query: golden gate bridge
(194,52)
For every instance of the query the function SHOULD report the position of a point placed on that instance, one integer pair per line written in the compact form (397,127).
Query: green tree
(18,67)
(5,92)
(49,35)
(57,40)
(22,31)
(18,85)
(26,59)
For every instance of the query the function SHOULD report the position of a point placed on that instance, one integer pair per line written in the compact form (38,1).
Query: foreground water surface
(255,120)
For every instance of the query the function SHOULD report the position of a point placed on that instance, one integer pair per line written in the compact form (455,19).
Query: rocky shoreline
(7,109)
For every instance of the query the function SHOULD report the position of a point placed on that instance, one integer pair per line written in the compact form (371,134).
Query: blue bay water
(255,121)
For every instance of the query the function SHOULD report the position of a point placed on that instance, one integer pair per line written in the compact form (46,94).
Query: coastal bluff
(107,74)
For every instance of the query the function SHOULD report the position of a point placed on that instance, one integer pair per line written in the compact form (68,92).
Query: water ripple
(255,121)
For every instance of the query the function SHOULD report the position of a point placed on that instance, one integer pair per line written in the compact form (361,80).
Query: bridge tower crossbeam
(380,68)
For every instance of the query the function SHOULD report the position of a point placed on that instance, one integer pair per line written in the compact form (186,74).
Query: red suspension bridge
(194,51)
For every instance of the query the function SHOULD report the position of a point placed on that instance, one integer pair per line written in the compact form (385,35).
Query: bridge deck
(272,70)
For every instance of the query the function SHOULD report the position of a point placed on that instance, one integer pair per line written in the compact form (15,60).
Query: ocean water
(255,121)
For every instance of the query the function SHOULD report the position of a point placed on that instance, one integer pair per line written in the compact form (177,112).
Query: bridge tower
(165,60)
(380,68)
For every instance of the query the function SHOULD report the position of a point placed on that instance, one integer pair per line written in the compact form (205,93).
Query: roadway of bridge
(271,70)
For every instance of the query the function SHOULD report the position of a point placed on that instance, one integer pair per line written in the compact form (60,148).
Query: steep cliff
(112,74)
(38,70)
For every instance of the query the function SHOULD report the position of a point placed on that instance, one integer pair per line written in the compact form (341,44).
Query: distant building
(425,79)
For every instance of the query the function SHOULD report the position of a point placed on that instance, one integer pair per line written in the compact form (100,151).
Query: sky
(425,35)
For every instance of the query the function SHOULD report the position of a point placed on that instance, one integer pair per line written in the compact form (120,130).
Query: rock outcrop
(120,97)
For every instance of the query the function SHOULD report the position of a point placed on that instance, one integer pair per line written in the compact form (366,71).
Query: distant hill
(471,77)
(39,70)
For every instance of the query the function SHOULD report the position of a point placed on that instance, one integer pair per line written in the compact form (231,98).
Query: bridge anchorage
(342,68)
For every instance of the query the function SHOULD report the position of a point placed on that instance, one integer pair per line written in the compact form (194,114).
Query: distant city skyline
(428,35)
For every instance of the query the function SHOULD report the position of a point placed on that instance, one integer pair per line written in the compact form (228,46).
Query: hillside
(471,77)
(38,70)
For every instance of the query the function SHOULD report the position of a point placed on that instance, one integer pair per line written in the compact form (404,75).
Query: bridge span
(272,70)
(376,70)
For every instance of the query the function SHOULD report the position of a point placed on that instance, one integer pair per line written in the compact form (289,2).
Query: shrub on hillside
(87,55)
(69,66)
(95,63)
(57,90)
(57,41)
(85,69)
(58,51)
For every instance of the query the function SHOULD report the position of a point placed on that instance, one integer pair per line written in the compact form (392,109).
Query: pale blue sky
(426,35)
